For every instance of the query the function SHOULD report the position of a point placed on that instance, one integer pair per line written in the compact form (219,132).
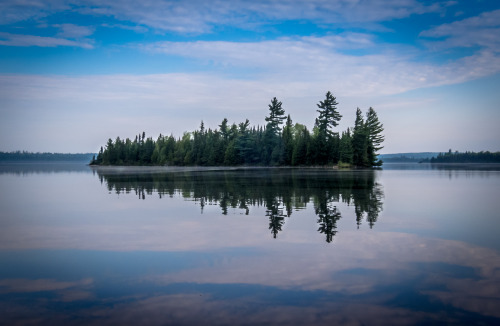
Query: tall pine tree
(276,116)
(359,141)
(328,119)
(375,138)
(288,142)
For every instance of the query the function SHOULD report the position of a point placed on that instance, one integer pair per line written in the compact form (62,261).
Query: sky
(75,73)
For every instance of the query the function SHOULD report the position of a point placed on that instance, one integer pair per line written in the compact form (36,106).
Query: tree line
(30,156)
(467,157)
(279,143)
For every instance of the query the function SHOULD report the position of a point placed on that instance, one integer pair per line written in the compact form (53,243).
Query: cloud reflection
(159,261)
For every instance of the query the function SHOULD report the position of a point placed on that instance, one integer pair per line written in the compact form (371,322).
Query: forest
(25,156)
(467,157)
(279,143)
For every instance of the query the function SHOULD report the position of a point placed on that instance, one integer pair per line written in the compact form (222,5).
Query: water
(410,244)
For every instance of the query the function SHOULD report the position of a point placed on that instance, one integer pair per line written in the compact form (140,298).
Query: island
(269,145)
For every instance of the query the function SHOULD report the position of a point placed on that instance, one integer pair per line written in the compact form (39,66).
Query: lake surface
(407,245)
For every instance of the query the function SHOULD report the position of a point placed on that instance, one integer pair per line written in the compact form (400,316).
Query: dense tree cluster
(269,145)
(30,156)
(467,157)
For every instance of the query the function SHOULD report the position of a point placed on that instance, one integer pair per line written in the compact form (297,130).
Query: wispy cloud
(321,62)
(481,30)
(73,31)
(284,68)
(12,11)
(200,16)
(10,39)
(135,28)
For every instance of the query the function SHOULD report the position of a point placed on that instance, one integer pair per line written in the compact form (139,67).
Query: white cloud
(73,31)
(481,30)
(13,11)
(200,16)
(135,28)
(10,39)
(314,63)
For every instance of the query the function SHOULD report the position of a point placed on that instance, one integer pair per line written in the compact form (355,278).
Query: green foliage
(276,116)
(367,139)
(359,141)
(467,157)
(241,144)
(288,142)
(326,141)
(24,156)
(328,115)
(375,138)
(301,148)
(345,148)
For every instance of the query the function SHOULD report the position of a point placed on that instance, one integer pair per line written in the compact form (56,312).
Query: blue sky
(75,73)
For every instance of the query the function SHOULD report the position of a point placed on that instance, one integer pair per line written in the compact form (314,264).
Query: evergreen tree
(261,145)
(345,150)
(244,142)
(359,141)
(374,129)
(273,150)
(276,116)
(301,145)
(231,154)
(288,142)
(324,138)
(328,115)
(199,143)
(109,154)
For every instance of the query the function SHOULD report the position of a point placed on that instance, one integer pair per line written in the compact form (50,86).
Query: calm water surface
(407,245)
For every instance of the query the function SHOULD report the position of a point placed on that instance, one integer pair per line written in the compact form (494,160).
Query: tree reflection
(276,217)
(280,191)
(328,215)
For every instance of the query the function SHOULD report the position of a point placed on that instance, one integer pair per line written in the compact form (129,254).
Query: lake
(410,244)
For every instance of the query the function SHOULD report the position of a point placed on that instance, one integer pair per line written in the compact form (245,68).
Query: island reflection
(280,191)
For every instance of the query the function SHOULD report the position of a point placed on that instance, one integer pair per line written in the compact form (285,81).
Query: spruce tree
(288,142)
(261,145)
(374,129)
(359,141)
(301,145)
(345,150)
(273,149)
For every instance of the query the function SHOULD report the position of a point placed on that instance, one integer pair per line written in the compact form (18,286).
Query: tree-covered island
(467,157)
(278,143)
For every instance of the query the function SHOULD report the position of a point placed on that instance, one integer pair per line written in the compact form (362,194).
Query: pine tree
(359,141)
(345,150)
(328,115)
(261,145)
(288,142)
(374,129)
(243,142)
(224,129)
(327,120)
(301,145)
(276,116)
